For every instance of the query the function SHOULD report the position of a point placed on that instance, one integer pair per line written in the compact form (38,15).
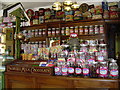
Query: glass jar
(63,31)
(71,30)
(76,29)
(86,30)
(67,31)
(101,29)
(80,30)
(91,31)
(103,71)
(96,29)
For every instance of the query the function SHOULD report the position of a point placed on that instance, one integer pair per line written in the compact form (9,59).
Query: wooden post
(17,42)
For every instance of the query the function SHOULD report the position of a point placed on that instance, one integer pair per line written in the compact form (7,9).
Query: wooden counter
(26,80)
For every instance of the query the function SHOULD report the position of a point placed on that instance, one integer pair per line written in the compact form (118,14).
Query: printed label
(57,69)
(103,71)
(114,72)
(85,71)
(64,69)
(71,70)
(78,70)
(100,58)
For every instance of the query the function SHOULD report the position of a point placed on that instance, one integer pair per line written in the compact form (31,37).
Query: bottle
(57,31)
(86,70)
(71,69)
(44,32)
(96,29)
(41,15)
(76,29)
(36,18)
(57,69)
(94,70)
(49,32)
(91,31)
(64,69)
(40,32)
(86,30)
(67,31)
(78,70)
(80,30)
(101,29)
(71,30)
(103,70)
(113,69)
(63,31)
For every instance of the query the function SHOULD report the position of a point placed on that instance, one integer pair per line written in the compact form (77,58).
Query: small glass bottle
(86,30)
(71,30)
(80,30)
(44,32)
(96,29)
(101,29)
(113,69)
(63,31)
(67,31)
(36,18)
(40,32)
(57,31)
(76,29)
(91,31)
(103,71)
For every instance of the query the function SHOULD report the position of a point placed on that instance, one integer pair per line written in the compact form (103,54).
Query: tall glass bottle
(113,69)
(103,70)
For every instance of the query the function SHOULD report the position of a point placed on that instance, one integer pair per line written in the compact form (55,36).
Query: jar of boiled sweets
(96,29)
(91,30)
(101,29)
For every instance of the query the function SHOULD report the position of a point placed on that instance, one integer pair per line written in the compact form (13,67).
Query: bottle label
(78,70)
(57,69)
(85,71)
(91,60)
(100,58)
(70,70)
(114,72)
(103,71)
(101,29)
(64,69)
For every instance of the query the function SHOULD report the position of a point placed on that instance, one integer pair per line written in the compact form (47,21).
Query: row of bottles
(80,30)
(94,70)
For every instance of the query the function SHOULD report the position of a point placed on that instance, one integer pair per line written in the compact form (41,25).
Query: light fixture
(68,2)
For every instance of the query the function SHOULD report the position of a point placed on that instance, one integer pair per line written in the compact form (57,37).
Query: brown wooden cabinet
(25,80)
(36,80)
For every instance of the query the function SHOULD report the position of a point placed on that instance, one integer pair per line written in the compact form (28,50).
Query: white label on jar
(71,70)
(43,32)
(64,69)
(62,31)
(57,32)
(114,72)
(103,71)
(57,69)
(78,70)
(100,58)
(85,71)
(91,60)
